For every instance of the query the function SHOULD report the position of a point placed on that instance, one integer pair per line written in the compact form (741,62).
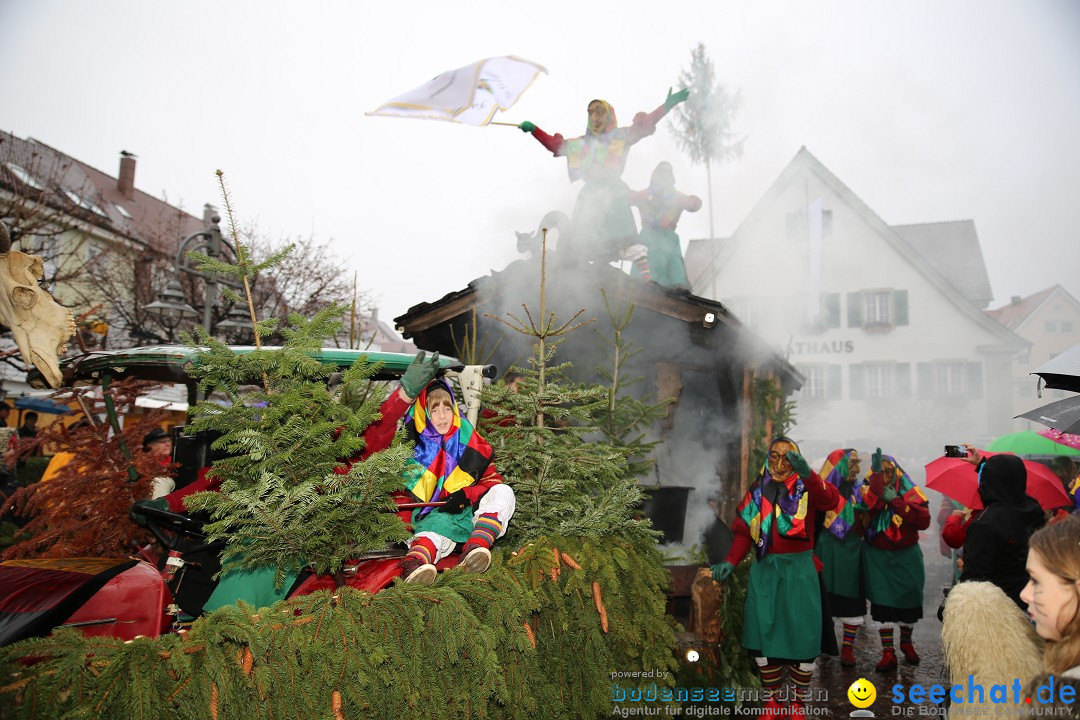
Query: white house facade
(887,324)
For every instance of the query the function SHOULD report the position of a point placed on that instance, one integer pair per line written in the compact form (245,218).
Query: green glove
(527,127)
(722,571)
(674,99)
(889,494)
(419,373)
(799,464)
(135,511)
(875,461)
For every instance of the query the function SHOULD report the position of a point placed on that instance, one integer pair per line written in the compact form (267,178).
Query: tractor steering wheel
(157,521)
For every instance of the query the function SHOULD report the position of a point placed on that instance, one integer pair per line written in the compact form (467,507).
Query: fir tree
(287,497)
(564,483)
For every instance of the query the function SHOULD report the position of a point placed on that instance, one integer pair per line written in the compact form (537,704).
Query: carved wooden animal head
(40,325)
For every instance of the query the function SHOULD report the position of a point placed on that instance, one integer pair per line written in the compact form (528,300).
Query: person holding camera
(996,538)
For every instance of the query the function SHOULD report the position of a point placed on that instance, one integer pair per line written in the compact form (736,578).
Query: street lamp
(171,307)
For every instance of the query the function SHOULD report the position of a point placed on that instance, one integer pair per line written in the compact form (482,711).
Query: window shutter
(903,380)
(855,378)
(973,381)
(831,311)
(926,379)
(854,309)
(900,307)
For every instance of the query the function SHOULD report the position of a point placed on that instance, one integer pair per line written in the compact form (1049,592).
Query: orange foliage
(83,510)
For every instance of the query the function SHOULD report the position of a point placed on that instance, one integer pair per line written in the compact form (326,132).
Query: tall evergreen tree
(702,124)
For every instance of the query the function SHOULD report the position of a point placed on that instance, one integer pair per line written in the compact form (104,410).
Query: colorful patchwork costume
(602,224)
(893,562)
(840,548)
(783,618)
(660,206)
(444,464)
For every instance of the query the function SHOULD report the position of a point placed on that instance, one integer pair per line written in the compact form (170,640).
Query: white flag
(470,95)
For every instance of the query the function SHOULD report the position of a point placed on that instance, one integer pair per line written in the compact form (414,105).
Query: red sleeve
(740,544)
(491,478)
(554,143)
(201,484)
(917,513)
(644,124)
(380,433)
(823,495)
(954,532)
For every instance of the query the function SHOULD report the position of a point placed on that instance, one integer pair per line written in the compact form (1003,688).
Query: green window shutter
(926,379)
(974,381)
(831,310)
(900,307)
(832,382)
(854,309)
(903,380)
(855,381)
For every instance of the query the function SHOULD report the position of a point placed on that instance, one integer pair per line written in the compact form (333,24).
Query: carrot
(335,705)
(213,701)
(597,597)
(603,620)
(570,561)
(531,634)
(248,662)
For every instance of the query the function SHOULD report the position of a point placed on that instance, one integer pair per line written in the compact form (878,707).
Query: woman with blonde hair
(1053,599)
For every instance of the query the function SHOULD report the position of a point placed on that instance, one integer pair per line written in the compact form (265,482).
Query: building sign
(822,347)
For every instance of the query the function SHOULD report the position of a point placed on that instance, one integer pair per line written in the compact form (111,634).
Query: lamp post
(171,307)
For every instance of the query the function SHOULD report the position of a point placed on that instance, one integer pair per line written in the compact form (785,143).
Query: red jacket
(823,497)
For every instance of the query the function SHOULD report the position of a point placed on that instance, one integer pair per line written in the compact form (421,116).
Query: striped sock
(642,264)
(886,632)
(905,633)
(423,550)
(770,679)
(485,530)
(801,679)
(849,635)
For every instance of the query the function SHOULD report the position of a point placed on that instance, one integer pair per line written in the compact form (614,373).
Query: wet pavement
(831,681)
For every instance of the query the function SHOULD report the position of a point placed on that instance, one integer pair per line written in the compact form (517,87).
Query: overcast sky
(927,110)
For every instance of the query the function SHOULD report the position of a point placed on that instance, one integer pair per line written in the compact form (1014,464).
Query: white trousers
(499,500)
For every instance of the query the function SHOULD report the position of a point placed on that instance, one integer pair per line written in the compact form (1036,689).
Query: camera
(956,451)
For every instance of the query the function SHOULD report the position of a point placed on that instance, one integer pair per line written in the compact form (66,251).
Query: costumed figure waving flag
(894,571)
(840,548)
(602,225)
(470,95)
(784,619)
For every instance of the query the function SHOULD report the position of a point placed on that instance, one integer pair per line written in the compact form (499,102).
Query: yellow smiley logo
(862,693)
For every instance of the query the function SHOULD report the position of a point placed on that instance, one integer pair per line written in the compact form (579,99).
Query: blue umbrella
(42,405)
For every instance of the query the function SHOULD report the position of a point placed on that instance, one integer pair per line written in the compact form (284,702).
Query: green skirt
(783,607)
(843,564)
(895,577)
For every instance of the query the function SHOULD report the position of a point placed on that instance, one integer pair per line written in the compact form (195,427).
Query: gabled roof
(1020,309)
(62,179)
(804,162)
(953,249)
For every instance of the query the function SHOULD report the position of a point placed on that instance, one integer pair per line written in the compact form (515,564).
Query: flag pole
(495,122)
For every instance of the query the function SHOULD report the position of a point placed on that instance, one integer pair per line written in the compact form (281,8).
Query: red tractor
(167,583)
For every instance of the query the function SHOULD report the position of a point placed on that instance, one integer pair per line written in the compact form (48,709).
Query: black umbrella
(1063,371)
(1063,415)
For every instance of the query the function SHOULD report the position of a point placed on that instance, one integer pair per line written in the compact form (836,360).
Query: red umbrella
(1070,439)
(956,478)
